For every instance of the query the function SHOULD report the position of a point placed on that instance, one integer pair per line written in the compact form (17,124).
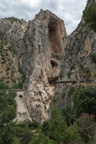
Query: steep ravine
(78,69)
(53,64)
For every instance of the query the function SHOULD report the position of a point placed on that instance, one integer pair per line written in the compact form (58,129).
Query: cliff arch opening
(53,64)
(54,38)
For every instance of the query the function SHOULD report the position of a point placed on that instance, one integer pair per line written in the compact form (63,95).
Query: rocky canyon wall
(78,69)
(48,34)
(53,63)
(40,53)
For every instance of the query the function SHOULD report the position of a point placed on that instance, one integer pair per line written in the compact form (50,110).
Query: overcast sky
(68,10)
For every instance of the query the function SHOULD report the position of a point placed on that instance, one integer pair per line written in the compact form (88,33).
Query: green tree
(42,139)
(3,85)
(68,114)
(93,57)
(55,128)
(24,134)
(90,16)
(85,101)
(86,127)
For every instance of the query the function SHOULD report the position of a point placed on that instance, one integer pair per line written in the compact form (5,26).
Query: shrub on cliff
(90,16)
(93,57)
(56,129)
(56,126)
(85,101)
(86,127)
(3,85)
(68,114)
(7,107)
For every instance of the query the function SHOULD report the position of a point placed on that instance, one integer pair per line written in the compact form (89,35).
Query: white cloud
(68,10)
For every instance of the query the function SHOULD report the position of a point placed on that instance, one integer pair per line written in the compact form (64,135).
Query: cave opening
(53,64)
(54,37)
(52,80)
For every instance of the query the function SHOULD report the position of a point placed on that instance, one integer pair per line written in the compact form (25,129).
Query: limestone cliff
(50,60)
(38,47)
(40,53)
(11,29)
(78,68)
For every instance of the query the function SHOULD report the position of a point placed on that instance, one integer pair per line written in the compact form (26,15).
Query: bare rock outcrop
(13,28)
(40,54)
(39,47)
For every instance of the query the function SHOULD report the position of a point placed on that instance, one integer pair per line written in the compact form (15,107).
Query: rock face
(45,39)
(78,68)
(53,63)
(40,59)
(39,46)
(13,28)
(9,71)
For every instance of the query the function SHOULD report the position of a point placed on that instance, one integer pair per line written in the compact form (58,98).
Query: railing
(67,81)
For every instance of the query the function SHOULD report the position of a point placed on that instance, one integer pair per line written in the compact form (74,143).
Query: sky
(70,11)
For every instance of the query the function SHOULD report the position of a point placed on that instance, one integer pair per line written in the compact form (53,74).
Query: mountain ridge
(46,55)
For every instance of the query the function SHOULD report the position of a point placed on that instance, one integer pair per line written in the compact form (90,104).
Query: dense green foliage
(42,139)
(15,134)
(19,84)
(1,35)
(90,16)
(71,90)
(56,129)
(69,74)
(12,133)
(21,80)
(86,127)
(7,113)
(53,131)
(3,85)
(93,57)
(68,114)
(7,107)
(85,101)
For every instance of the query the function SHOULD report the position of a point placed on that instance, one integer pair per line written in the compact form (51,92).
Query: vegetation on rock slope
(9,68)
(53,131)
(90,16)
(71,125)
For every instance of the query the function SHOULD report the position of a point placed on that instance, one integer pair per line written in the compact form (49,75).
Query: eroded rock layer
(79,68)
(52,63)
(11,30)
(40,54)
